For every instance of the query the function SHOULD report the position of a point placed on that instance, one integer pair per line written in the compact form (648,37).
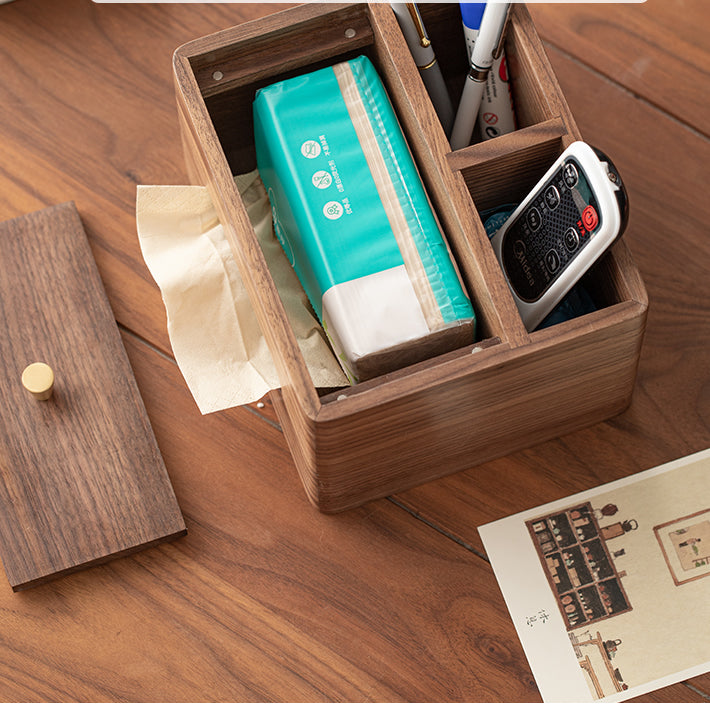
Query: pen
(414,32)
(486,49)
(496,115)
(471,14)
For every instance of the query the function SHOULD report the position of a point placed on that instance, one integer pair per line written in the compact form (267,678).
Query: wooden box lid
(81,476)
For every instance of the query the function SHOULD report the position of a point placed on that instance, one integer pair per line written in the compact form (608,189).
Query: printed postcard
(609,589)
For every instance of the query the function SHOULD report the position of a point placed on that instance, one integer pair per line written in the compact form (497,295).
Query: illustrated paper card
(609,589)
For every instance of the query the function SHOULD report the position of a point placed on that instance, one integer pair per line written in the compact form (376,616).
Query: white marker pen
(496,115)
(486,49)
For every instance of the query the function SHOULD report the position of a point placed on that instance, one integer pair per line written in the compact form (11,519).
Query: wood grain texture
(385,435)
(659,52)
(669,411)
(209,167)
(266,598)
(668,417)
(89,113)
(82,477)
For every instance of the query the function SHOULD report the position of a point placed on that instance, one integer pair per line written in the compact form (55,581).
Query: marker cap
(471,14)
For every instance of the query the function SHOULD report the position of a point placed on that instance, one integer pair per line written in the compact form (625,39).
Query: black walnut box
(510,389)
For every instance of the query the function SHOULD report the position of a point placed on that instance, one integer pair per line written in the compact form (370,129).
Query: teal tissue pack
(351,213)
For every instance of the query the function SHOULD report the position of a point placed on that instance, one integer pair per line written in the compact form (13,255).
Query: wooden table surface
(265,598)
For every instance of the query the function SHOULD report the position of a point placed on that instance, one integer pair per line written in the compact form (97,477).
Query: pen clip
(418,24)
(501,40)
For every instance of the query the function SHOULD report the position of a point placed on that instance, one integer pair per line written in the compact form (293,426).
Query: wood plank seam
(438,528)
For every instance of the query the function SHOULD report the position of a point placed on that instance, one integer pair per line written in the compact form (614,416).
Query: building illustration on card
(629,568)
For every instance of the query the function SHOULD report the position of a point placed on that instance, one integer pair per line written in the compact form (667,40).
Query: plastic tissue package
(352,215)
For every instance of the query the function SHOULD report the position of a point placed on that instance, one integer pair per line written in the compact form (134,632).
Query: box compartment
(455,410)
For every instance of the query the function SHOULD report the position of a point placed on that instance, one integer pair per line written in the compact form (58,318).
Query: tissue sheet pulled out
(214,333)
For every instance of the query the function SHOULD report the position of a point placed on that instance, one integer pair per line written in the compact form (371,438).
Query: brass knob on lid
(38,379)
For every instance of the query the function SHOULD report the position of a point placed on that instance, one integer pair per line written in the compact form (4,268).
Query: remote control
(570,218)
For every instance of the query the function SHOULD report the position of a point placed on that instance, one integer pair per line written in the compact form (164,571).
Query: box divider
(523,139)
(433,372)
(494,306)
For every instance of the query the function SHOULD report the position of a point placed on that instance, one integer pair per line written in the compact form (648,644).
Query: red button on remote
(590,218)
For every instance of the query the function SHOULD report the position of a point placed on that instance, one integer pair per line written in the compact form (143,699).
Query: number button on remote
(533,219)
(552,197)
(552,260)
(571,239)
(570,175)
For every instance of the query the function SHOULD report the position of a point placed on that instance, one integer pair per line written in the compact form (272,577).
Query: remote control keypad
(553,229)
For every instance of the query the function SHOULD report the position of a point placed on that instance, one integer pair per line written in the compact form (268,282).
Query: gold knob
(38,379)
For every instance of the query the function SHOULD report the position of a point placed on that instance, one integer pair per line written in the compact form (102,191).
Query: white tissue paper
(214,333)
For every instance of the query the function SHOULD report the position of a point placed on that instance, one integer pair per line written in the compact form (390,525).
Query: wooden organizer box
(508,390)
